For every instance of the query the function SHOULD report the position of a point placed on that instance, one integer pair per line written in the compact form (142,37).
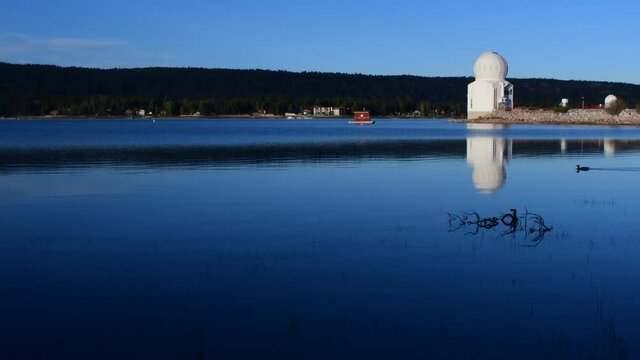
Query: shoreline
(207,117)
(499,121)
(627,117)
(518,116)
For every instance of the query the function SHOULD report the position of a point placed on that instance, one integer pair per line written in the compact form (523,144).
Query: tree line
(34,90)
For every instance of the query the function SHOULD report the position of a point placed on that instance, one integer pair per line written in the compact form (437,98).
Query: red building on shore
(362,118)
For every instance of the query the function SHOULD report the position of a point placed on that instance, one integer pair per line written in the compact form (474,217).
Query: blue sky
(582,40)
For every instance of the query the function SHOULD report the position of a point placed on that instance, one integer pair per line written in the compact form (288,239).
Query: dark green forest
(34,90)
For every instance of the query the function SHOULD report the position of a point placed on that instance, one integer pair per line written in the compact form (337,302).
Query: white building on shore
(326,111)
(491,91)
(609,101)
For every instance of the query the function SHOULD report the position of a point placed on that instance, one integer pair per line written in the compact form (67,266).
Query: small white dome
(609,100)
(490,66)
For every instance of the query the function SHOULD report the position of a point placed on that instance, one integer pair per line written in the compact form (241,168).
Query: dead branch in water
(529,228)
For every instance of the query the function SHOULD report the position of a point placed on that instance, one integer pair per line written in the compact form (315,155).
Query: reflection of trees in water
(530,228)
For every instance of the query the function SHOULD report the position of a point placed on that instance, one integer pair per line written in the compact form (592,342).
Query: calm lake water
(229,239)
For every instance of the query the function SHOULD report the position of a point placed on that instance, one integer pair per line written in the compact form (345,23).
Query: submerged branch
(529,229)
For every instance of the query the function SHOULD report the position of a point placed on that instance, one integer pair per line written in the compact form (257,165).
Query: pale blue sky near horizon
(581,40)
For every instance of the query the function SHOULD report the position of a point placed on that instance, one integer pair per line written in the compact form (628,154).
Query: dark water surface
(227,239)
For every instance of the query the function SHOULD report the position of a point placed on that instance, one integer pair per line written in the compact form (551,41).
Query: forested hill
(40,89)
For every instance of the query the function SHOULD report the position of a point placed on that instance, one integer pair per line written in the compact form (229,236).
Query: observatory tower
(491,91)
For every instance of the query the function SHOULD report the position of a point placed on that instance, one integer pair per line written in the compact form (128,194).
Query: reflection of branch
(537,229)
(456,222)
(530,227)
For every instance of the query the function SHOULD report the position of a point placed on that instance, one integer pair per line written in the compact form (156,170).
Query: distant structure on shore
(491,91)
(326,111)
(609,101)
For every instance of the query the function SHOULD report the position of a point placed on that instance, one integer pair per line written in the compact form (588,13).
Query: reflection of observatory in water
(607,146)
(488,152)
(486,155)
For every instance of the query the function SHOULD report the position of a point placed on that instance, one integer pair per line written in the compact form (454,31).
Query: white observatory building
(609,101)
(491,91)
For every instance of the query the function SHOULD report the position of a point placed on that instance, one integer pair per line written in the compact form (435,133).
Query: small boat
(362,118)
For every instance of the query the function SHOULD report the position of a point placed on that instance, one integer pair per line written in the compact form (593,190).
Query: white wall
(483,97)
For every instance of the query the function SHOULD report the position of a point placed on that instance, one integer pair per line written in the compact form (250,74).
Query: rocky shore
(572,117)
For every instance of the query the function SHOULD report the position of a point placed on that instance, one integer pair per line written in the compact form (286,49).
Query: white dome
(490,66)
(609,100)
